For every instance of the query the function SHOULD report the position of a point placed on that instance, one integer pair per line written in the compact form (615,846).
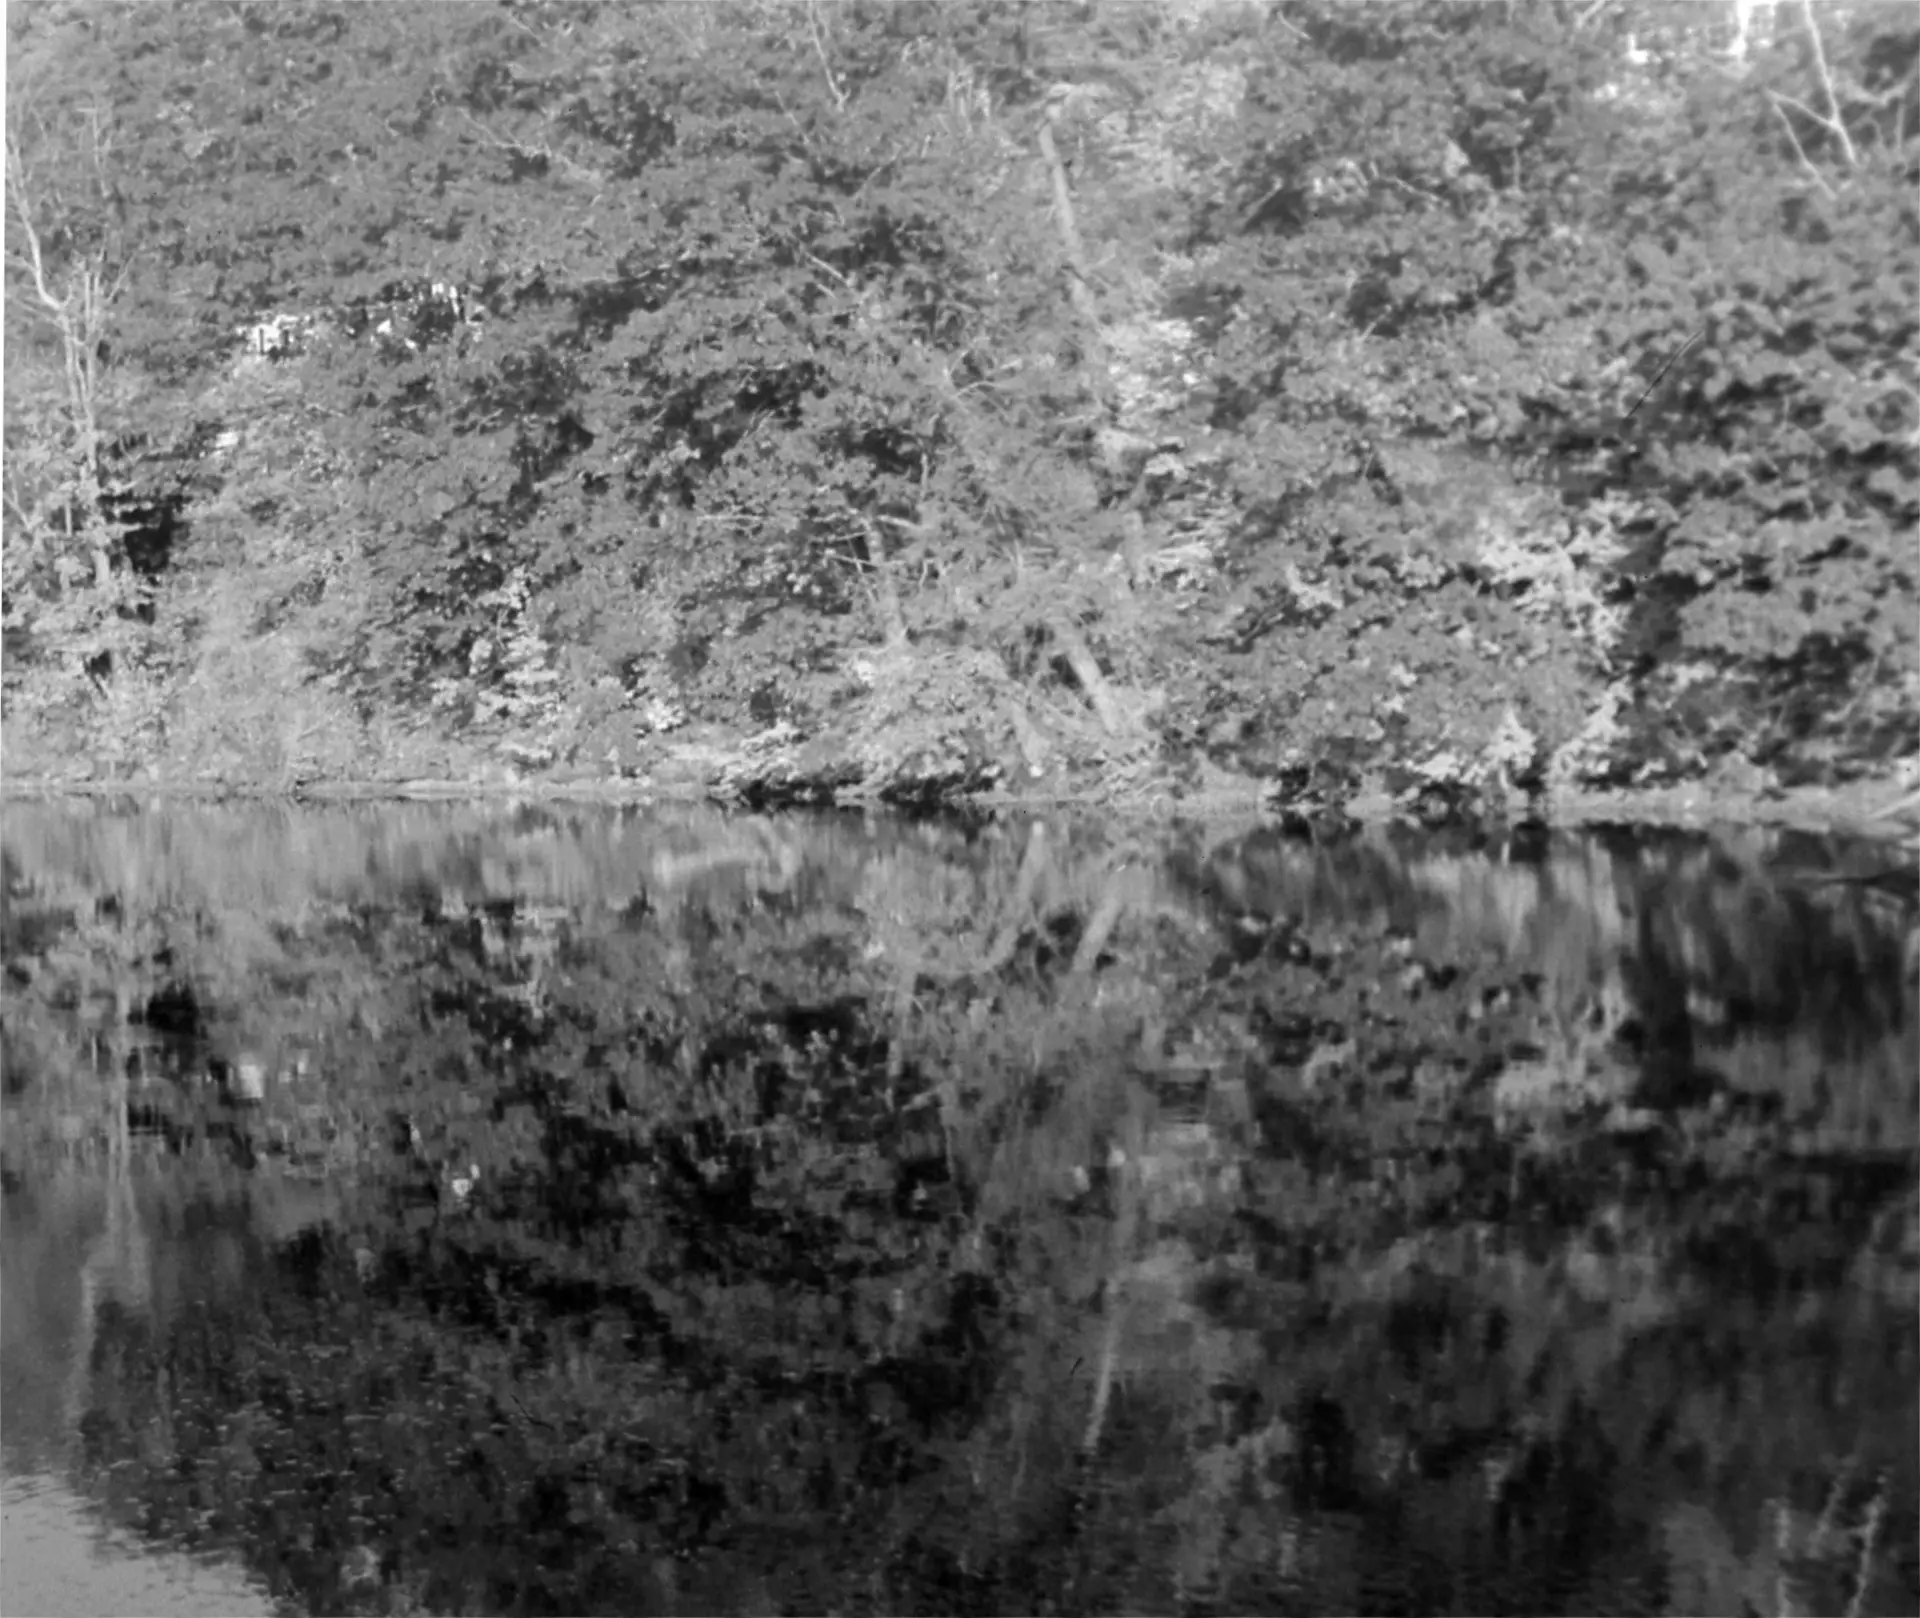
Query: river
(510,1208)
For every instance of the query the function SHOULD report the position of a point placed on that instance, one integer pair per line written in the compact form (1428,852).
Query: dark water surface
(571,1211)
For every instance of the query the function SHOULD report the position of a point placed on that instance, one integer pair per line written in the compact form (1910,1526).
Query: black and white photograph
(1032,807)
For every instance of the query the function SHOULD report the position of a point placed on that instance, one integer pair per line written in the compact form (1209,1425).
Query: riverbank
(1883,810)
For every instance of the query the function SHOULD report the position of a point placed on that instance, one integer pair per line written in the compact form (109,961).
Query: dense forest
(1440,402)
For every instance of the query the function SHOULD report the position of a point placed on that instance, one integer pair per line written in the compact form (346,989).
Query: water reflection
(564,1211)
(80,1259)
(57,1561)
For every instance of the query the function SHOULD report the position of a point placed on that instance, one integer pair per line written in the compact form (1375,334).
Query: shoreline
(1883,809)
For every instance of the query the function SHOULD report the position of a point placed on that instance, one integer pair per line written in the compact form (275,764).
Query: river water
(57,1560)
(519,1209)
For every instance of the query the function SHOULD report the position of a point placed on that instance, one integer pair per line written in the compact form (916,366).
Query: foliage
(1256,379)
(1778,584)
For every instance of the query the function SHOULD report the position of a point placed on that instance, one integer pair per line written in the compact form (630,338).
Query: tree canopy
(1335,388)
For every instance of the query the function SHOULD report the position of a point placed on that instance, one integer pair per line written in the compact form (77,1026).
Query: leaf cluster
(667,362)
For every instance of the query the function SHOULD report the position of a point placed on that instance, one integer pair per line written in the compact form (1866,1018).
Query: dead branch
(820,50)
(1799,151)
(1831,121)
(1079,277)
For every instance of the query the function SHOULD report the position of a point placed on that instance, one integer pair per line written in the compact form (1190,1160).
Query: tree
(653,363)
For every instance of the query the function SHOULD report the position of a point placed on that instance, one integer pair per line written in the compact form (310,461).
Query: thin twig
(1799,151)
(521,148)
(819,263)
(17,184)
(1660,376)
(1834,121)
(820,50)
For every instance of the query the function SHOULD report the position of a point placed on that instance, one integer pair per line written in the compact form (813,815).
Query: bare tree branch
(23,211)
(1833,122)
(75,302)
(1780,104)
(1079,275)
(820,50)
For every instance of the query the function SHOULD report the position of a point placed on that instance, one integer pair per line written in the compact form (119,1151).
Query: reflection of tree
(95,969)
(946,920)
(118,1264)
(1229,1275)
